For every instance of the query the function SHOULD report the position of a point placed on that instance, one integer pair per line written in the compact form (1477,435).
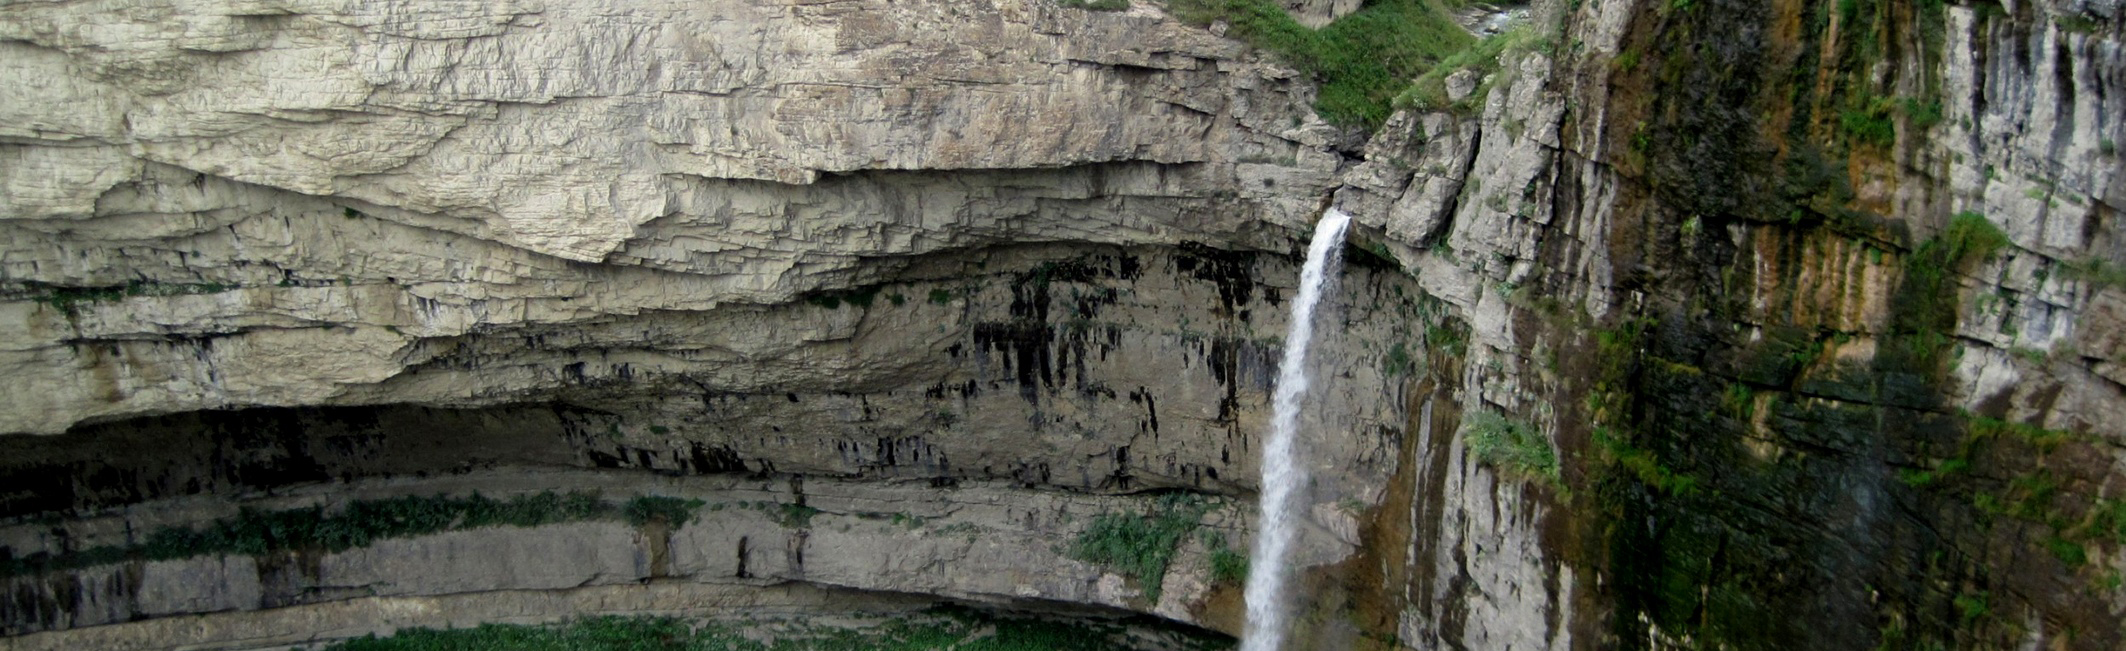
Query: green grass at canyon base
(956,628)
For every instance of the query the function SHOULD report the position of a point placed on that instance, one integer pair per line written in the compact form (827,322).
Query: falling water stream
(1269,572)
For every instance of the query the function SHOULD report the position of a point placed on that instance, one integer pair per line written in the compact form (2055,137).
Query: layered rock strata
(1812,305)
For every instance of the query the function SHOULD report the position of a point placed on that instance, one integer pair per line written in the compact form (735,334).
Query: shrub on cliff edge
(1362,60)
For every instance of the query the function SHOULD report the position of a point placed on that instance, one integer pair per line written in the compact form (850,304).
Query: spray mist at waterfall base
(1283,473)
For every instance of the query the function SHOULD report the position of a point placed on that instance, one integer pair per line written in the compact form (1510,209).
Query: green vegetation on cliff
(360,524)
(70,299)
(1869,32)
(1429,92)
(1095,5)
(1723,441)
(673,511)
(2029,494)
(940,629)
(1922,326)
(1514,447)
(1362,60)
(1228,565)
(1141,545)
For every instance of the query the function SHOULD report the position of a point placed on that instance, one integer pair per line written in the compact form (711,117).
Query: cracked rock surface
(1007,267)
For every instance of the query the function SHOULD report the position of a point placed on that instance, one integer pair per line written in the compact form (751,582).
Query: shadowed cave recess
(1677,324)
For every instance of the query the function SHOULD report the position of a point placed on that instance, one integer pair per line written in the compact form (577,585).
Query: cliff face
(1814,307)
(1816,302)
(999,251)
(500,166)
(1877,247)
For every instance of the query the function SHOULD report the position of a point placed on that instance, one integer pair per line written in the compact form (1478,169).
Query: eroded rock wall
(1735,263)
(1812,299)
(262,175)
(887,542)
(1017,374)
(268,246)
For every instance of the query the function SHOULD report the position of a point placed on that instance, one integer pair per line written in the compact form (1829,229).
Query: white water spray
(1282,473)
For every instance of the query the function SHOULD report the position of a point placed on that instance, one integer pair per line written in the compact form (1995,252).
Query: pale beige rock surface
(350,177)
(622,207)
(983,543)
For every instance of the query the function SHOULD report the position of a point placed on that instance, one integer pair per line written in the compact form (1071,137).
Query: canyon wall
(1813,309)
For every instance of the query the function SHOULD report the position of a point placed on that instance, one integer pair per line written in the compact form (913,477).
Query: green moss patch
(361,524)
(1926,301)
(71,299)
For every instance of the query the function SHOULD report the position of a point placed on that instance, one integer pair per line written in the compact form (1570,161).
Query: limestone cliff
(265,177)
(1815,302)
(1812,307)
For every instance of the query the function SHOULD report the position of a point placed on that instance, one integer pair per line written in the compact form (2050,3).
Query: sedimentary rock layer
(1813,307)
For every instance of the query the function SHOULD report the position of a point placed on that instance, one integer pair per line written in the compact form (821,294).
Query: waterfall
(1282,472)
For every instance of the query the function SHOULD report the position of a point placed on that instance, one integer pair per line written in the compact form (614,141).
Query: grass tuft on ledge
(1362,61)
(1140,546)
(1515,448)
(1429,92)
